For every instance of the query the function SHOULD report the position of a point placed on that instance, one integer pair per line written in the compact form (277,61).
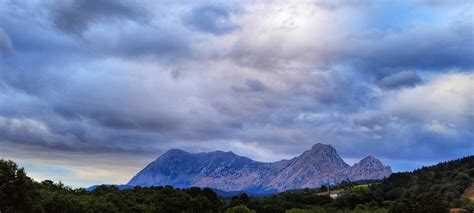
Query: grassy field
(469,193)
(362,186)
(338,191)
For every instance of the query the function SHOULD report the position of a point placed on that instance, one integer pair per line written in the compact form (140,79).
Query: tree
(16,189)
(241,199)
(216,203)
(239,209)
(323,188)
(244,198)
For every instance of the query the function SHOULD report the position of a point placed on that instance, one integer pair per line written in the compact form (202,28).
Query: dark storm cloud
(138,39)
(76,16)
(213,19)
(118,117)
(251,85)
(28,122)
(167,44)
(424,46)
(412,51)
(255,85)
(177,74)
(43,62)
(39,82)
(401,79)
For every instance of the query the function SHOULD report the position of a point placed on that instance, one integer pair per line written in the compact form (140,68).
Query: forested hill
(430,189)
(434,187)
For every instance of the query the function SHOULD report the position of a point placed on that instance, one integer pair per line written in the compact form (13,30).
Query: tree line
(429,189)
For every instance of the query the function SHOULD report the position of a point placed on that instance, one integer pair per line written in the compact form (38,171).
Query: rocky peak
(370,161)
(222,153)
(175,152)
(180,154)
(323,155)
(368,168)
(322,149)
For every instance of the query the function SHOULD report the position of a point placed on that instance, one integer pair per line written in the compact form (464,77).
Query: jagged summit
(178,153)
(322,149)
(219,152)
(370,159)
(321,154)
(181,152)
(230,172)
(324,155)
(318,146)
(175,152)
(368,168)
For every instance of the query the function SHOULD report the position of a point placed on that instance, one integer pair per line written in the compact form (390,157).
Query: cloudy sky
(91,91)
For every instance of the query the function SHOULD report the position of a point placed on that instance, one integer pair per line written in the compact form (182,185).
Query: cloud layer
(117,81)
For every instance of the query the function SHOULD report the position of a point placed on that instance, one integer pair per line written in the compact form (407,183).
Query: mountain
(230,172)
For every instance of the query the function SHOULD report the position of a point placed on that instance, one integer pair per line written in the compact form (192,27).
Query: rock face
(230,172)
(369,168)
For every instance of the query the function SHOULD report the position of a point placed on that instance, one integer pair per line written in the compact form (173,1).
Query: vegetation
(18,193)
(429,189)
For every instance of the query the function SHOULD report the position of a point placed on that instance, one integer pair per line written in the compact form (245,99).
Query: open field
(362,186)
(336,191)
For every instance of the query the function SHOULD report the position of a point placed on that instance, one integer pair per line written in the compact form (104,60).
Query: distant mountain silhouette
(230,172)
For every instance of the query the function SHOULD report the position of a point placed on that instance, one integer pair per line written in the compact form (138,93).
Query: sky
(92,91)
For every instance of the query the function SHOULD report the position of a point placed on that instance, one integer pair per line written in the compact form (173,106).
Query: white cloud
(255,151)
(441,128)
(445,97)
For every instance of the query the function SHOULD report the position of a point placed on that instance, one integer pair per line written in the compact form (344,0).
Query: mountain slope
(230,172)
(321,159)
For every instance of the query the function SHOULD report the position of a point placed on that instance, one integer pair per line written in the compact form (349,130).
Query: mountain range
(227,171)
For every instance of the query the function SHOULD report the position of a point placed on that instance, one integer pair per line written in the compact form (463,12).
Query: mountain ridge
(230,172)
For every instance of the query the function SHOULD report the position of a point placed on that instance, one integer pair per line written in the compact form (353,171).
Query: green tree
(239,209)
(17,191)
(323,188)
